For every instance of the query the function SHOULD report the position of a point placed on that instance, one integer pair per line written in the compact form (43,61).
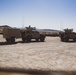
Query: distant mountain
(48,30)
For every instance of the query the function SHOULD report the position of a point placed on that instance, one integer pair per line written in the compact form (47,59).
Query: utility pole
(23,22)
(61,26)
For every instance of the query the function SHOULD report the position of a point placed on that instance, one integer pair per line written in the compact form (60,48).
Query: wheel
(66,39)
(74,40)
(23,36)
(62,39)
(28,38)
(23,39)
(7,40)
(12,39)
(42,38)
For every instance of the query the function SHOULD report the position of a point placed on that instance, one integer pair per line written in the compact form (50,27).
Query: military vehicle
(67,35)
(28,33)
(10,34)
(31,33)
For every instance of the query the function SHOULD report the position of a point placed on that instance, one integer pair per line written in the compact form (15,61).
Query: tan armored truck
(31,33)
(67,35)
(10,34)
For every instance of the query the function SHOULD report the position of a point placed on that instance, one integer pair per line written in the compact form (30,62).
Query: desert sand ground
(51,55)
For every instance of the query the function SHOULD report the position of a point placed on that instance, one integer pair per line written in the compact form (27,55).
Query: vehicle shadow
(32,41)
(10,43)
(6,43)
(70,41)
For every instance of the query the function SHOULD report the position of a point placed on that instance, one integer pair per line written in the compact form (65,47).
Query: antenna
(23,22)
(61,26)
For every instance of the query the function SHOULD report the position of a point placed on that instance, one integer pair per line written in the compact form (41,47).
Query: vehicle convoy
(10,34)
(67,35)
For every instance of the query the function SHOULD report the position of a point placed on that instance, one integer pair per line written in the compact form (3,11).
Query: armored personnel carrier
(67,34)
(31,33)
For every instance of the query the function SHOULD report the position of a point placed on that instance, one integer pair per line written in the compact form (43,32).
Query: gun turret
(68,30)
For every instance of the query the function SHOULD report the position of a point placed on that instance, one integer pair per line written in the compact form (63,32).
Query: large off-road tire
(62,39)
(42,38)
(23,39)
(12,39)
(66,39)
(28,38)
(74,40)
(23,36)
(7,40)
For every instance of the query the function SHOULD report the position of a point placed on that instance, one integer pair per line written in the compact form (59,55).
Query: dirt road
(51,55)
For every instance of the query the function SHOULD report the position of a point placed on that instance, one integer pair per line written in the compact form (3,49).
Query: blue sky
(52,14)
